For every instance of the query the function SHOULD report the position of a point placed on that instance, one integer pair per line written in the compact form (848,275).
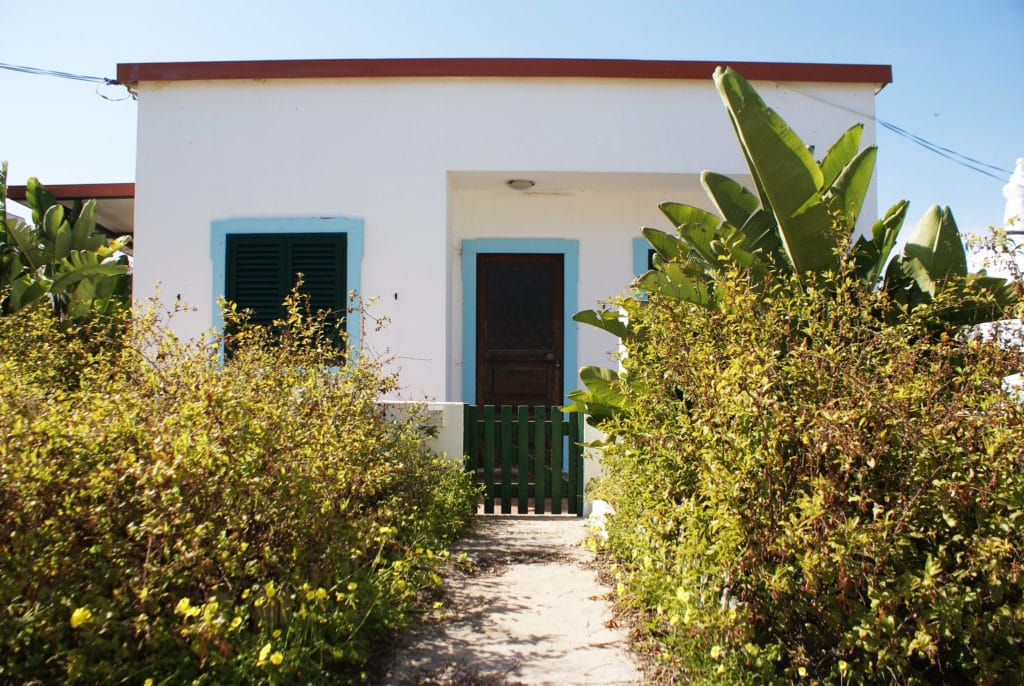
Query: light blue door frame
(570,251)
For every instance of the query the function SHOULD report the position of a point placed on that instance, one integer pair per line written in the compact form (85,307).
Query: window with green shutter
(262,268)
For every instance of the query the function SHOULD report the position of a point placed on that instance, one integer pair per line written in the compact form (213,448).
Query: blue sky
(958,66)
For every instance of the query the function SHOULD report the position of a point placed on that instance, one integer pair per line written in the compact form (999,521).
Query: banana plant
(798,222)
(801,218)
(60,257)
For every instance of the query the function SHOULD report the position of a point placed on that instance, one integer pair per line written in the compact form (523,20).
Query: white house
(480,202)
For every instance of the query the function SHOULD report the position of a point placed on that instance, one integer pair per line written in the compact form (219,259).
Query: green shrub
(803,492)
(167,517)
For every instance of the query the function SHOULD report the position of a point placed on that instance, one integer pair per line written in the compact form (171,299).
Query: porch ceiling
(566,183)
(115,202)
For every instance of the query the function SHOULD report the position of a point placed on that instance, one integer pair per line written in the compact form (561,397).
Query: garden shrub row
(169,517)
(803,494)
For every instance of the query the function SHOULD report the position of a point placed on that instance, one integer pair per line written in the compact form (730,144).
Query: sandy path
(530,610)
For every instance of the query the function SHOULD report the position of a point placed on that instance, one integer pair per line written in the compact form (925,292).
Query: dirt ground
(526,607)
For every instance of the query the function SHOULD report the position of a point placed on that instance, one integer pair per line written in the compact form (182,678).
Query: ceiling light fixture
(520,184)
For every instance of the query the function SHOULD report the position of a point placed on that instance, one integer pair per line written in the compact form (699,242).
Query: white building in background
(999,262)
(1013,191)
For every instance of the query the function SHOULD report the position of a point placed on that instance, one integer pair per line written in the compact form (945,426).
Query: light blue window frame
(350,226)
(640,248)
(570,250)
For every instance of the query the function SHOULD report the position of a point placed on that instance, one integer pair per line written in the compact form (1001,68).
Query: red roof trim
(85,191)
(510,68)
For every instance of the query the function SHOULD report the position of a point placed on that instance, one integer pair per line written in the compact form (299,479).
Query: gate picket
(506,459)
(556,462)
(575,465)
(540,481)
(523,478)
(489,426)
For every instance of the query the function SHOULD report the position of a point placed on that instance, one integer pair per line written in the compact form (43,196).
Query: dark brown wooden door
(519,329)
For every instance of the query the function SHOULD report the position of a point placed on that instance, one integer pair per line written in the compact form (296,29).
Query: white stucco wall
(423,163)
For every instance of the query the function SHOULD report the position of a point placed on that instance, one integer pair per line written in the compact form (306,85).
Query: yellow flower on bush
(269,589)
(184,607)
(264,654)
(80,616)
(716,651)
(276,658)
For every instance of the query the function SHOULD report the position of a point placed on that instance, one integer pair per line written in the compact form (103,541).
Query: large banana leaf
(840,154)
(786,175)
(697,228)
(871,256)
(84,235)
(735,202)
(33,250)
(781,161)
(84,265)
(914,278)
(976,299)
(846,195)
(667,246)
(763,236)
(936,243)
(25,291)
(57,231)
(39,199)
(604,397)
(606,321)
(672,281)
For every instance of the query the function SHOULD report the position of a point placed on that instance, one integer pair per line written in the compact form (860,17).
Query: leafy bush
(167,517)
(805,492)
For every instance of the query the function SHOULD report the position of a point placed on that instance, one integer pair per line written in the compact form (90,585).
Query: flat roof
(115,202)
(133,73)
(79,191)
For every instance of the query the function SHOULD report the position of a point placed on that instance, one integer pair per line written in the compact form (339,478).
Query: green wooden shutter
(261,269)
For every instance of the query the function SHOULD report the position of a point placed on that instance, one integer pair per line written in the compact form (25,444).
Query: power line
(959,158)
(98,80)
(951,155)
(59,74)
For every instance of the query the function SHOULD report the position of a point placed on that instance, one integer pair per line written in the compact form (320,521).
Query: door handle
(549,357)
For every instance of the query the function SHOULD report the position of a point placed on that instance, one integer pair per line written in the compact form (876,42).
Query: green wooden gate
(526,457)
